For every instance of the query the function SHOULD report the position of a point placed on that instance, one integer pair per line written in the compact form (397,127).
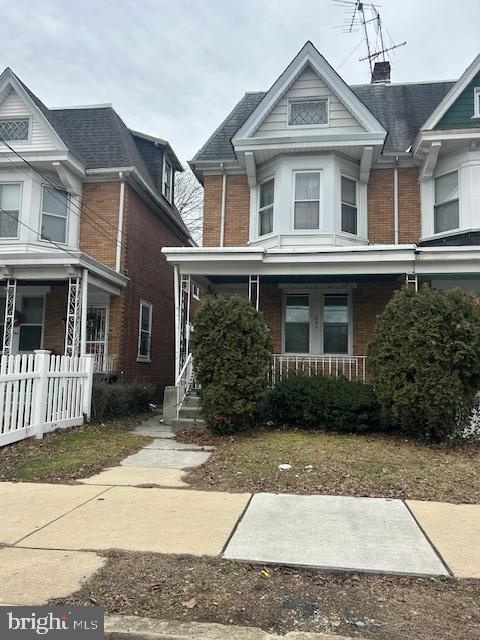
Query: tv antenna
(365,17)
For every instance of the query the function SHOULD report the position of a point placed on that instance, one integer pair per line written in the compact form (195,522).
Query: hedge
(119,400)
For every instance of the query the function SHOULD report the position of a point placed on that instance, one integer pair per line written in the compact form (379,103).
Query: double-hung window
(349,205)
(145,331)
(335,323)
(265,209)
(167,180)
(55,204)
(297,324)
(446,209)
(306,213)
(9,209)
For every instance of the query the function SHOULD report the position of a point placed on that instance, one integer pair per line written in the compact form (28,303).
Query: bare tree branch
(189,202)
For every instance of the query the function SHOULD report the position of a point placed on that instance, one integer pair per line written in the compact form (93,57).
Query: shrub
(425,361)
(325,402)
(231,349)
(119,400)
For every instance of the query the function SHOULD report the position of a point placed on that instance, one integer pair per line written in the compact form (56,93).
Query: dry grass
(65,456)
(338,464)
(281,600)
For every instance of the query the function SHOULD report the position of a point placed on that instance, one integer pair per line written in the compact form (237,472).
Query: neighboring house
(86,205)
(322,199)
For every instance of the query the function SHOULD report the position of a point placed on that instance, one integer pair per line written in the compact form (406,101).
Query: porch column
(254,290)
(72,327)
(9,320)
(83,323)
(184,320)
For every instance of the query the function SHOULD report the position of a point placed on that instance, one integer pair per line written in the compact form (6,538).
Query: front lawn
(280,600)
(70,455)
(338,464)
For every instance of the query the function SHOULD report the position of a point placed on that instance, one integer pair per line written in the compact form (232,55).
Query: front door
(97,330)
(28,330)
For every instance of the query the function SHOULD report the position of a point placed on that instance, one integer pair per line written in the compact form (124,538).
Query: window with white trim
(476,102)
(55,204)
(9,209)
(335,323)
(145,331)
(265,208)
(195,291)
(167,179)
(14,130)
(297,324)
(446,207)
(307,113)
(349,205)
(306,213)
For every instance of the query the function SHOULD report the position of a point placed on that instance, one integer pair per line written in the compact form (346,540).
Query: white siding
(40,137)
(308,85)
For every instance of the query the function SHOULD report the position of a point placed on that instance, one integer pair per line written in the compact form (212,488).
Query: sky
(175,68)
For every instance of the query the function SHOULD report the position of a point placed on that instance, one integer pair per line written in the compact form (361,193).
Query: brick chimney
(381,72)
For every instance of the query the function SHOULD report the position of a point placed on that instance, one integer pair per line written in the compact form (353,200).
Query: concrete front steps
(189,414)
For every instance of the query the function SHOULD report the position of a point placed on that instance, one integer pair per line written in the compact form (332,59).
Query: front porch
(68,309)
(320,305)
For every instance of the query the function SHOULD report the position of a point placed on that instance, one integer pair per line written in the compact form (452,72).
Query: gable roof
(99,138)
(401,108)
(309,56)
(455,91)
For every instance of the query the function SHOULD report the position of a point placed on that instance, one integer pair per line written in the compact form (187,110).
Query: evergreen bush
(231,348)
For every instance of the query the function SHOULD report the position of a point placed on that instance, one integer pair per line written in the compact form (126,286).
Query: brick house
(321,199)
(86,205)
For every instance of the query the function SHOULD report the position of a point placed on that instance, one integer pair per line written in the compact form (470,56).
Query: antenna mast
(357,18)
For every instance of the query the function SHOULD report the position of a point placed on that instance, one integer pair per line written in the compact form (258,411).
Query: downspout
(395,200)
(121,206)
(222,210)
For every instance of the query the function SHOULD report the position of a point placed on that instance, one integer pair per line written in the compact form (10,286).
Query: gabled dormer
(448,148)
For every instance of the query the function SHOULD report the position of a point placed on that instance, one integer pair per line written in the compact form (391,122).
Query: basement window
(14,130)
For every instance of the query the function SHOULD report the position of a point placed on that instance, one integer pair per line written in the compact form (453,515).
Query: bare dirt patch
(280,600)
(338,464)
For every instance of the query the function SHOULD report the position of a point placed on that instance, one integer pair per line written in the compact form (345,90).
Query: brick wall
(55,318)
(237,210)
(409,206)
(151,279)
(98,235)
(369,299)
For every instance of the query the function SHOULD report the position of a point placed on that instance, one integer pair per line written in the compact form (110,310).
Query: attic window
(476,102)
(167,179)
(307,113)
(14,130)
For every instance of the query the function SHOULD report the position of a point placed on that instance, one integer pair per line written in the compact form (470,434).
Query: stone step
(187,423)
(192,401)
(189,412)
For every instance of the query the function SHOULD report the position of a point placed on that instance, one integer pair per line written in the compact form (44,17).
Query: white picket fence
(41,392)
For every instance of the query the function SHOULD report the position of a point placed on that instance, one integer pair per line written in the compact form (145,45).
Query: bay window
(307,200)
(349,205)
(9,209)
(55,203)
(265,210)
(446,209)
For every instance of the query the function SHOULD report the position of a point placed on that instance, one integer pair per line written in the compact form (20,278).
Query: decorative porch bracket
(254,290)
(11,294)
(185,294)
(411,280)
(72,328)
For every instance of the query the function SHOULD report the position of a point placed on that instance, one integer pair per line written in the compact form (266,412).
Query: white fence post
(89,360)
(42,363)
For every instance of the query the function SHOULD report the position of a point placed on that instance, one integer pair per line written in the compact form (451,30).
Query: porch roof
(352,261)
(32,264)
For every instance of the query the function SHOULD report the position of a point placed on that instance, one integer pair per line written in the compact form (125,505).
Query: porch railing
(184,382)
(351,367)
(104,363)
